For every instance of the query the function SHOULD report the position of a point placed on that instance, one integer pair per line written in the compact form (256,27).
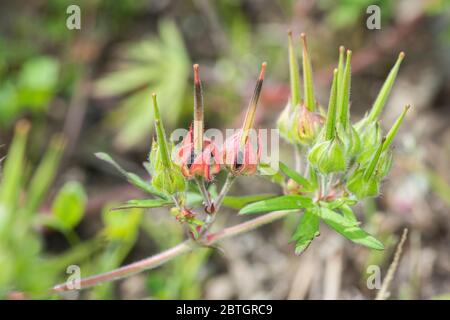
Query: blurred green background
(88,90)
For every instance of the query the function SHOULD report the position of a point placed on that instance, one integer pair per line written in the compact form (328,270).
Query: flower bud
(309,125)
(351,140)
(287,124)
(370,137)
(362,187)
(385,164)
(293,187)
(166,176)
(365,182)
(166,179)
(328,156)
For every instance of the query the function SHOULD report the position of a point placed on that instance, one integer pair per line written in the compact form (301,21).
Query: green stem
(225,189)
(206,196)
(165,256)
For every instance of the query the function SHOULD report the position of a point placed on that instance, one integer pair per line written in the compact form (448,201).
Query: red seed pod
(204,164)
(242,159)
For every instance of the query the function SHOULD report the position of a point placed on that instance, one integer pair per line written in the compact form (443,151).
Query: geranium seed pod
(308,85)
(380,101)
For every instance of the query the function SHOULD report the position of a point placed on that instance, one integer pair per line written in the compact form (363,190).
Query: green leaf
(349,229)
(296,177)
(122,225)
(131,177)
(159,64)
(145,203)
(289,202)
(266,171)
(44,175)
(240,202)
(306,231)
(343,205)
(69,205)
(14,165)
(347,212)
(37,82)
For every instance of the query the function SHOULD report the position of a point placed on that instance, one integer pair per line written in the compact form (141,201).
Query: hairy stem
(165,256)
(205,193)
(217,203)
(226,187)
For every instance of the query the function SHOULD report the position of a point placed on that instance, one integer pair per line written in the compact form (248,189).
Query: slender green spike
(14,166)
(160,135)
(331,116)
(380,101)
(391,134)
(198,111)
(341,66)
(251,110)
(44,174)
(293,72)
(344,92)
(308,85)
(373,163)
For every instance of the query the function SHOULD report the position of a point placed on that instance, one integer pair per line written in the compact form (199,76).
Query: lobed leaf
(349,229)
(294,175)
(306,231)
(131,177)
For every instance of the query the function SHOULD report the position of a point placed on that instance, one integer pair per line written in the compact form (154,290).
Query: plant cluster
(338,163)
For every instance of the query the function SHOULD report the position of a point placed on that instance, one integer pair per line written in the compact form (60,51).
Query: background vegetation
(88,90)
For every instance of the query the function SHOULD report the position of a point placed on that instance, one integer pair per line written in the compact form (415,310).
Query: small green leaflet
(342,205)
(296,177)
(349,229)
(289,202)
(146,203)
(266,171)
(69,205)
(240,202)
(131,177)
(306,231)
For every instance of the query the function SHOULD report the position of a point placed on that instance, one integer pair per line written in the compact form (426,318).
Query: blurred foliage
(181,278)
(121,230)
(38,67)
(344,14)
(33,87)
(154,65)
(25,267)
